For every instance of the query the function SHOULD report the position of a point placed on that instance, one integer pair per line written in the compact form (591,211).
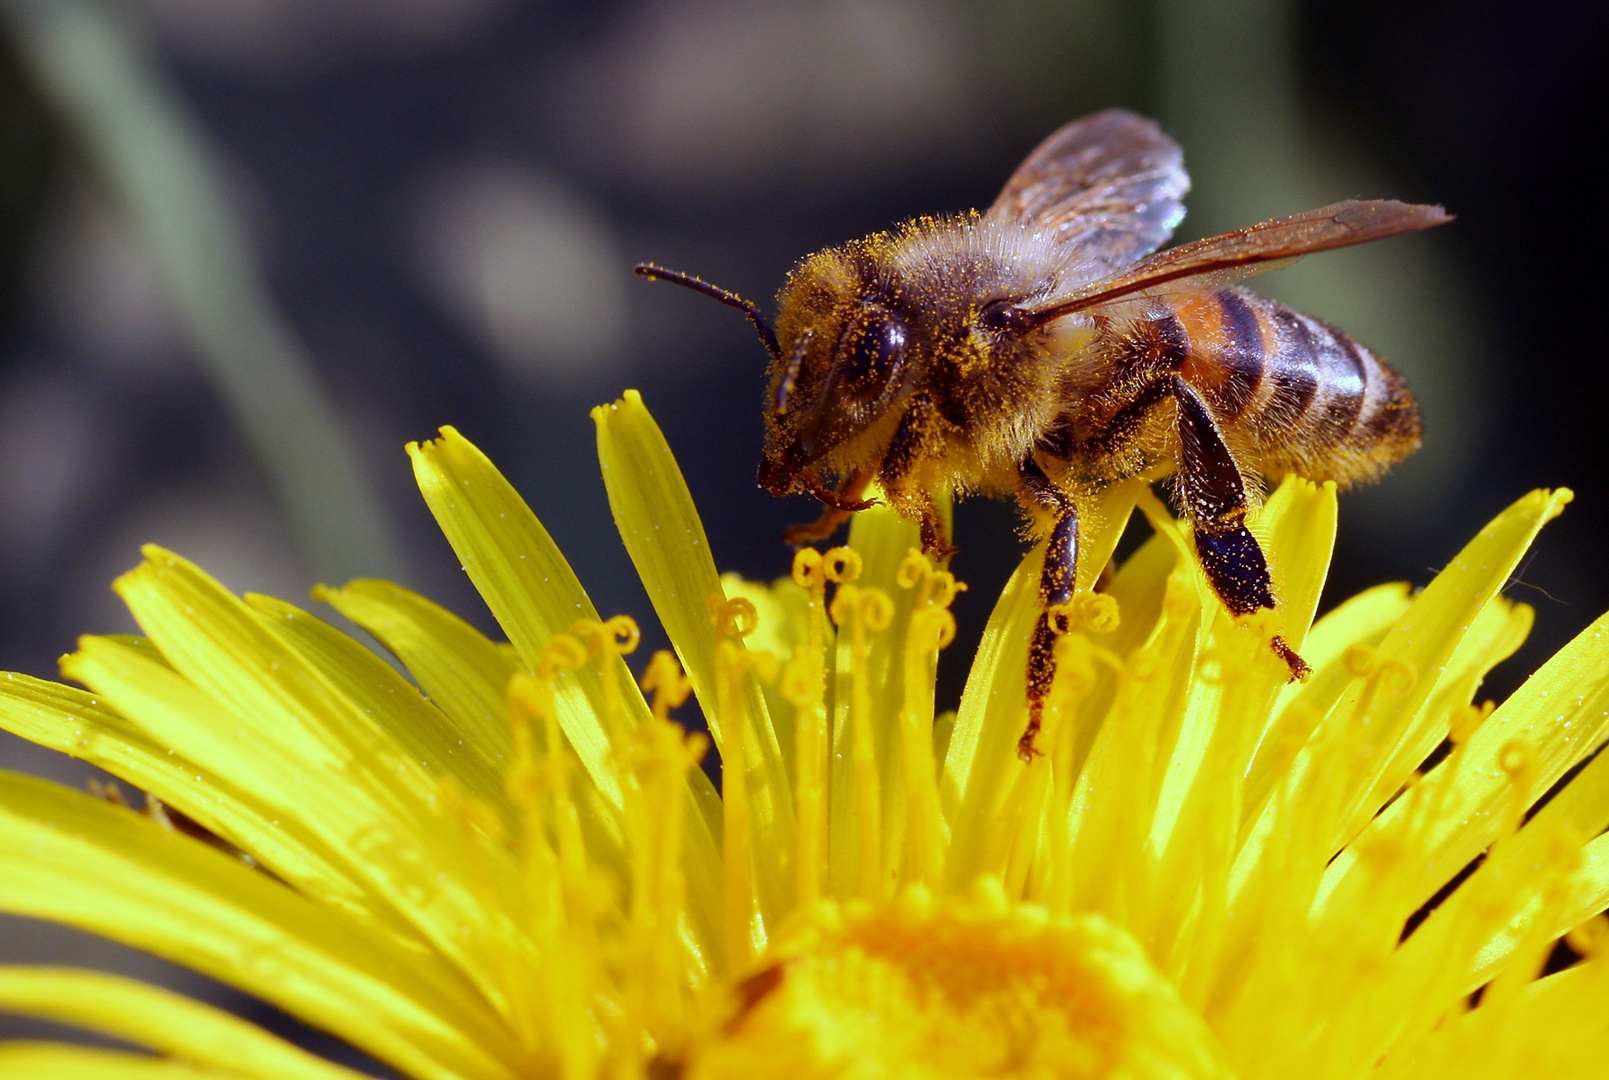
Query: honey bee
(1041,351)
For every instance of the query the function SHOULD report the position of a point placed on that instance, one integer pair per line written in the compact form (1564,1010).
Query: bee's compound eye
(870,354)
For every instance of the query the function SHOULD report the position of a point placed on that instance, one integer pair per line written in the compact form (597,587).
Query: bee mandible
(1041,351)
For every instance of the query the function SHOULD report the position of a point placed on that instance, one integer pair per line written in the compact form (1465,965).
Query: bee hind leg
(1214,496)
(1057,581)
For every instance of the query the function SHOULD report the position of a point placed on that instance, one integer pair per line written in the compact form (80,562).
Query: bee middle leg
(1214,495)
(1057,582)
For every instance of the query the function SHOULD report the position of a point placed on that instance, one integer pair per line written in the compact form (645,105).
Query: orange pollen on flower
(1087,611)
(981,987)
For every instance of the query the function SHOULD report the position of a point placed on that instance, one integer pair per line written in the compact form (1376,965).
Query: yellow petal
(783,608)
(1499,629)
(1558,1028)
(1139,587)
(1560,714)
(992,705)
(462,670)
(59,1061)
(83,862)
(466,675)
(77,723)
(1588,895)
(420,729)
(159,1020)
(660,527)
(1582,808)
(1426,637)
(224,651)
(1364,618)
(1110,814)
(525,581)
(533,594)
(1297,527)
(306,749)
(1439,966)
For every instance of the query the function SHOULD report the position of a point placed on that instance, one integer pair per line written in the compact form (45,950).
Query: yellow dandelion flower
(513,866)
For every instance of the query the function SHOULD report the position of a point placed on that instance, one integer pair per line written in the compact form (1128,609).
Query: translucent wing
(1243,253)
(1110,185)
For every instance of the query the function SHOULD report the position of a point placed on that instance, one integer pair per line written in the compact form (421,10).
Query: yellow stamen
(609,641)
(666,681)
(805,687)
(734,620)
(556,883)
(1075,677)
(662,756)
(931,628)
(863,610)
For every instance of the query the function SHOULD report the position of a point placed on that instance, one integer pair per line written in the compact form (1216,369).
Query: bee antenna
(768,337)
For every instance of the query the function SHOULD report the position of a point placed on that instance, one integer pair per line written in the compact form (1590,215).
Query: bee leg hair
(935,537)
(1057,581)
(1214,496)
(899,461)
(1126,424)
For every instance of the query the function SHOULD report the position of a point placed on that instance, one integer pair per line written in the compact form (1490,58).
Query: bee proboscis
(1041,351)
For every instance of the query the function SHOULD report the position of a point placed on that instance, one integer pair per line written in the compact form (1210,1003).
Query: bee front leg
(900,460)
(839,503)
(1214,496)
(1057,581)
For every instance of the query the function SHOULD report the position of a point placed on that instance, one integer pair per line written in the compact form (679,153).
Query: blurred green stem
(152,157)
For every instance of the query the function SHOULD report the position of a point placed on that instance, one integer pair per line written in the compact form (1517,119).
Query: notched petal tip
(156,560)
(630,401)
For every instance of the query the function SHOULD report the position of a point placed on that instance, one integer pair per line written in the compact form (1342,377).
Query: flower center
(924,987)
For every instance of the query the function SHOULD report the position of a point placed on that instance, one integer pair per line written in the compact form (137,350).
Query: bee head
(841,367)
(836,372)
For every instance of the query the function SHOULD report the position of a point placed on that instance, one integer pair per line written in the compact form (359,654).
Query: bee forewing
(1110,185)
(1233,256)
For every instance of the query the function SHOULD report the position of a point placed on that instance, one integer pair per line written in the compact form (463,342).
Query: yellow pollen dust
(980,987)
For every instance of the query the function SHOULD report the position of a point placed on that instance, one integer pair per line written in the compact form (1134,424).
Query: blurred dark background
(438,202)
(431,206)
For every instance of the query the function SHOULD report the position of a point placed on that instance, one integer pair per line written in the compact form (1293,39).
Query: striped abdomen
(1304,396)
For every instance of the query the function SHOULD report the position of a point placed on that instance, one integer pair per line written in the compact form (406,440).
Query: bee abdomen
(1310,399)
